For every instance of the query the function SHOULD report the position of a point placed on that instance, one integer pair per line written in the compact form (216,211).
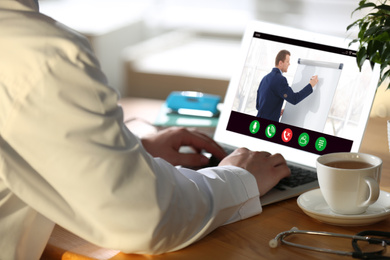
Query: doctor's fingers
(277,164)
(200,141)
(262,157)
(244,150)
(277,159)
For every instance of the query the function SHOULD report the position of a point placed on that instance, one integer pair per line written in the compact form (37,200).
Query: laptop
(331,119)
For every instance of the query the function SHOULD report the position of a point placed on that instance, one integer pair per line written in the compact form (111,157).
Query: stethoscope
(372,237)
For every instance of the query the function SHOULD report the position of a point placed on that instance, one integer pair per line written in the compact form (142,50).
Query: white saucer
(314,205)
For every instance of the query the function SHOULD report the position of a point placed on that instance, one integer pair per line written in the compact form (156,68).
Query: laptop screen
(331,118)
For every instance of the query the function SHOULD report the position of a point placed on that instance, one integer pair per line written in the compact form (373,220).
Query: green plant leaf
(362,30)
(352,25)
(383,77)
(383,36)
(361,56)
(373,36)
(372,30)
(364,5)
(383,7)
(386,55)
(352,42)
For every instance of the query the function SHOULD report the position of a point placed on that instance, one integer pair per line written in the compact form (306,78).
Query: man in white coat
(66,157)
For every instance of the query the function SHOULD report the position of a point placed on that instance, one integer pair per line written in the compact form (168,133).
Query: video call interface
(325,121)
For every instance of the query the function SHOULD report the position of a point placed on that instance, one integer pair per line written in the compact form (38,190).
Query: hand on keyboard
(167,143)
(268,169)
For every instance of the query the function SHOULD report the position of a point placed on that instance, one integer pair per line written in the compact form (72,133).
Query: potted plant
(373,36)
(374,39)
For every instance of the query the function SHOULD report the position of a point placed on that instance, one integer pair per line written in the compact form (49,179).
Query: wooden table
(248,239)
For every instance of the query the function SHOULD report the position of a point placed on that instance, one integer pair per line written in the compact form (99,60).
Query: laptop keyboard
(299,176)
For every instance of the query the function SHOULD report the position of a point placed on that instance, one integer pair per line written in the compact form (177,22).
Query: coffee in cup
(349,182)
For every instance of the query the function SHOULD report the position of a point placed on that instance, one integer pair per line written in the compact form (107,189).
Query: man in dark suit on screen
(274,89)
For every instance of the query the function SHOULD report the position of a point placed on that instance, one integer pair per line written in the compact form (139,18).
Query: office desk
(248,239)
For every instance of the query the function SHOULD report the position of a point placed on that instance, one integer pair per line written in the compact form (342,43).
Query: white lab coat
(67,158)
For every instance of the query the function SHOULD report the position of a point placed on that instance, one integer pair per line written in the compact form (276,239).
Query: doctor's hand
(313,81)
(266,168)
(166,144)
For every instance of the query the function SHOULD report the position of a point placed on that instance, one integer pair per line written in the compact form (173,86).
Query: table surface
(248,239)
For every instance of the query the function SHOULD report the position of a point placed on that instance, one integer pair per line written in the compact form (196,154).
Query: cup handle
(374,191)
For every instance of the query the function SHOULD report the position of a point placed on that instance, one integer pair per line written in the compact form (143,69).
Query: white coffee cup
(349,182)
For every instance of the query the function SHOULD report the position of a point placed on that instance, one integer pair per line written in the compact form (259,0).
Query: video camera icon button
(303,139)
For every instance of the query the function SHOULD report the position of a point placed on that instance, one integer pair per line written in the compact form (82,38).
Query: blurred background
(148,48)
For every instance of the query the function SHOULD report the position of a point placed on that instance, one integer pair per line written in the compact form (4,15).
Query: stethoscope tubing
(280,238)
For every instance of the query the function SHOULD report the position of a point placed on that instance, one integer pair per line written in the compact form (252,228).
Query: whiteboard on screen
(311,113)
